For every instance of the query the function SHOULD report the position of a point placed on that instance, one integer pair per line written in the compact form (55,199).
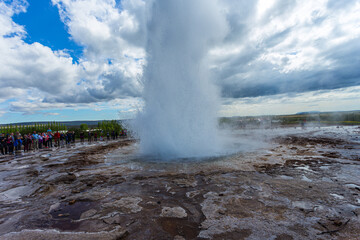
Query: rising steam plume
(181,102)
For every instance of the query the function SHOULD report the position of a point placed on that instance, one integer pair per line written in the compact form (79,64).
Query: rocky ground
(295,184)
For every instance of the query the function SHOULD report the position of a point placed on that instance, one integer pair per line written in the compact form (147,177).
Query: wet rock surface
(302,184)
(175,212)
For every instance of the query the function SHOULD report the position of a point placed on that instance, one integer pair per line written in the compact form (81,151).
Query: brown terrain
(296,184)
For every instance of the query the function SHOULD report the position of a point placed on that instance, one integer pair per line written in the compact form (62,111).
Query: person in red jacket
(57,139)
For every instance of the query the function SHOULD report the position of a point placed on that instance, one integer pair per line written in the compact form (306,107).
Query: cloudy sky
(84,59)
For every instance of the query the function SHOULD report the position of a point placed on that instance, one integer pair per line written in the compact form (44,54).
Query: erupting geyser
(180,115)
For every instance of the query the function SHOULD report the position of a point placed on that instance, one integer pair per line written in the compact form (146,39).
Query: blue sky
(43,25)
(84,60)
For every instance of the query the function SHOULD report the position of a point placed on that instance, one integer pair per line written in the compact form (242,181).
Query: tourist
(26,143)
(73,136)
(17,141)
(67,137)
(47,139)
(95,136)
(70,138)
(30,141)
(15,137)
(40,140)
(35,137)
(20,141)
(50,138)
(89,137)
(62,138)
(3,145)
(10,143)
(82,136)
(57,139)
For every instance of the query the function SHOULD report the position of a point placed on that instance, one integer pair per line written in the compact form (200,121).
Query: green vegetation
(102,128)
(328,118)
(337,118)
(84,127)
(109,126)
(38,127)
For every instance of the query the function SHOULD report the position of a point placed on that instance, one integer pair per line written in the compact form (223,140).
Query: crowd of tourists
(11,143)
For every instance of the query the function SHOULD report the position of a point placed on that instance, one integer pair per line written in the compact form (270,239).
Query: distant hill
(318,112)
(316,117)
(304,113)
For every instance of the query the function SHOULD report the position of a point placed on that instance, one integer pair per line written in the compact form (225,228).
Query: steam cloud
(181,102)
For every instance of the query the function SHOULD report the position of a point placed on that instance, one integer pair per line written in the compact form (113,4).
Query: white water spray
(180,115)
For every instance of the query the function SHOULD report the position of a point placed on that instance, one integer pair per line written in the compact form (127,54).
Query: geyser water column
(179,118)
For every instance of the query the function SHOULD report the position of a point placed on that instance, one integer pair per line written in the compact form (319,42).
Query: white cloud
(344,99)
(51,114)
(273,47)
(109,69)
(113,40)
(33,107)
(287,46)
(27,68)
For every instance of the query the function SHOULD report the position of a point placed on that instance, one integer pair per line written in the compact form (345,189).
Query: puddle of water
(71,211)
(351,185)
(285,177)
(21,167)
(336,196)
(14,194)
(303,205)
(349,173)
(65,214)
(306,168)
(304,178)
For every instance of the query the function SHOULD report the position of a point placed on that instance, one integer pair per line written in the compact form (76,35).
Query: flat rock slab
(57,235)
(126,204)
(175,212)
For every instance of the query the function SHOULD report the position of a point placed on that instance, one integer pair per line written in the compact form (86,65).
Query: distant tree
(109,126)
(84,127)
